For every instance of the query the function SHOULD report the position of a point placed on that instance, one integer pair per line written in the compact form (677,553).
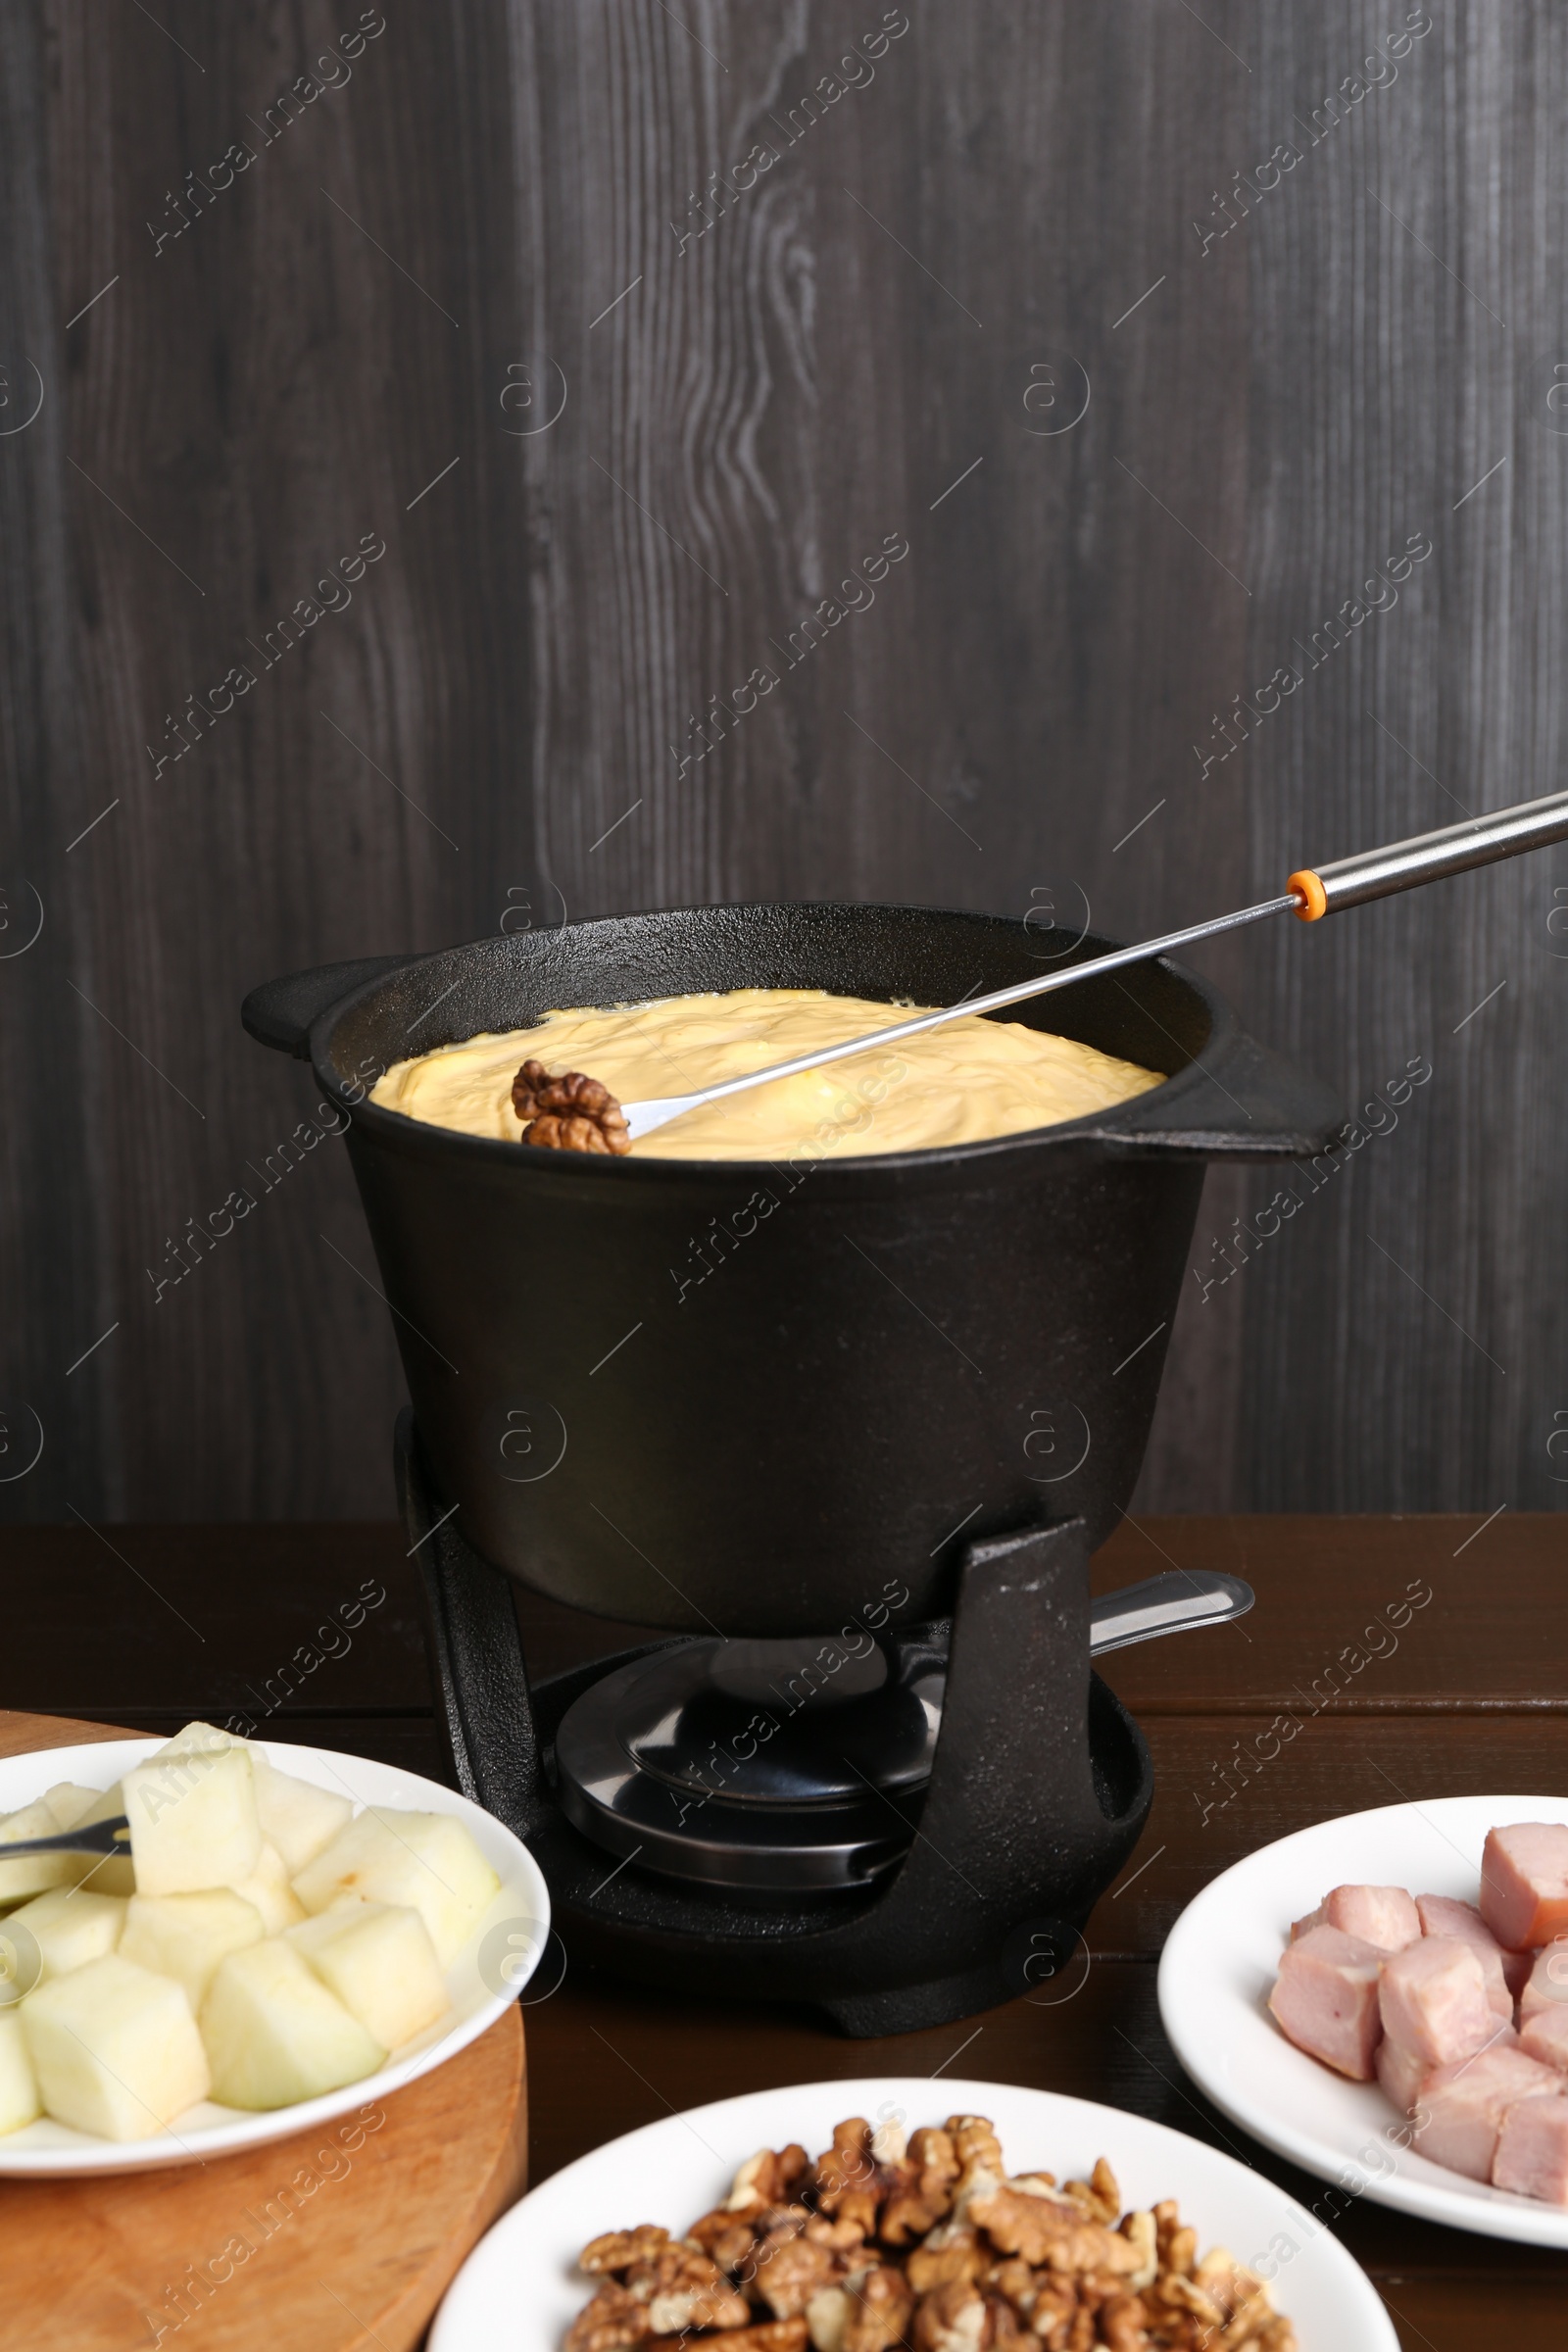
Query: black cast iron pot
(770,1400)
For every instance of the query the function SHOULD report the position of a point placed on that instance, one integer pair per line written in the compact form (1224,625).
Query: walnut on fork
(569,1112)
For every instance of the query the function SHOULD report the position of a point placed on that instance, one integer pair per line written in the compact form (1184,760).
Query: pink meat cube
(1325,1999)
(1433,1998)
(1545,2037)
(1463,2107)
(1531,2157)
(1547,1986)
(1524,1882)
(1384,1916)
(1441,1915)
(1401,2072)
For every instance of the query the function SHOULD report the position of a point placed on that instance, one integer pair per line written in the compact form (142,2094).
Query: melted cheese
(969,1081)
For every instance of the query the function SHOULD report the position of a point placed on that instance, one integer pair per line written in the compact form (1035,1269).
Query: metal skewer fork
(1309,894)
(111,1836)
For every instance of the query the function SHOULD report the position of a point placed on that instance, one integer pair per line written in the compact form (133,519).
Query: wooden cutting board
(339,2240)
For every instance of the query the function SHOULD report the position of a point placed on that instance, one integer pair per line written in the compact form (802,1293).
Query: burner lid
(755,1764)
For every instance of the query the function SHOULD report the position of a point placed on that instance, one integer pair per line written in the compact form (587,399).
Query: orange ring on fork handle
(1312,894)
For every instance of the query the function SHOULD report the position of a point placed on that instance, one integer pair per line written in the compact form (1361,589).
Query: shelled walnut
(928,2246)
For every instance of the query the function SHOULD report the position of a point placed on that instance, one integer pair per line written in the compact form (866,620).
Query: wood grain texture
(333,2240)
(767,372)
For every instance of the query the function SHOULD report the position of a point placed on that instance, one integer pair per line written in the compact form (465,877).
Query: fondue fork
(1309,894)
(110,1837)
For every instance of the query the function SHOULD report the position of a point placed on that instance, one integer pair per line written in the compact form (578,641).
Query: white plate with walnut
(289,1933)
(1383,1999)
(850,2216)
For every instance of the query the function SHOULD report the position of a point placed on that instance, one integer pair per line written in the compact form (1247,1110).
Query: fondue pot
(752,1398)
(848,1427)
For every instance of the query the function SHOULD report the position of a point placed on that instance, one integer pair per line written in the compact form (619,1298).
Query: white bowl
(1219,1965)
(484,1978)
(521,2288)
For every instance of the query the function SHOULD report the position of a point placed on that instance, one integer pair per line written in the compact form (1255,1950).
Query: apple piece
(19,2085)
(268,1887)
(193,1821)
(379,1961)
(274,2034)
(115,2048)
(185,1935)
(31,1873)
(68,1804)
(105,1874)
(71,1926)
(199,1739)
(426,1860)
(298,1818)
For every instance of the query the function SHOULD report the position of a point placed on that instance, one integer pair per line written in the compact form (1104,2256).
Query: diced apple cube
(115,2048)
(379,1961)
(19,2085)
(193,1821)
(1524,1882)
(1531,2157)
(185,1935)
(428,1860)
(30,1873)
(71,1926)
(1325,1999)
(274,2034)
(268,1889)
(199,1739)
(105,1874)
(68,1804)
(299,1818)
(1432,1996)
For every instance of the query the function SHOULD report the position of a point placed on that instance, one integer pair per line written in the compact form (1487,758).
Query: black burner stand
(1039,1788)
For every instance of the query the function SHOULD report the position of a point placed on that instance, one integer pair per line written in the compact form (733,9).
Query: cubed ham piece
(1462,2106)
(1524,1882)
(1531,2157)
(1325,1999)
(1441,1915)
(1545,2037)
(1401,2072)
(1433,1998)
(1547,1986)
(1384,1916)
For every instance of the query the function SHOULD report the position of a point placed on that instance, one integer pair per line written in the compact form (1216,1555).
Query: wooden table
(148,1626)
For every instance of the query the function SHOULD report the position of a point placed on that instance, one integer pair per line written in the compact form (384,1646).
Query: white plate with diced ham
(1383,2000)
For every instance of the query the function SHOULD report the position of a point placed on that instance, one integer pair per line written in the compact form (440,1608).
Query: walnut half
(568,1113)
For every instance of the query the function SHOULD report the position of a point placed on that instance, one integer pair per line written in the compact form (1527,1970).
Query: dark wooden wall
(889,331)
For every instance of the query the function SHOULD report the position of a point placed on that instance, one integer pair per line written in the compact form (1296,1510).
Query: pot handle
(1243,1103)
(281,1014)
